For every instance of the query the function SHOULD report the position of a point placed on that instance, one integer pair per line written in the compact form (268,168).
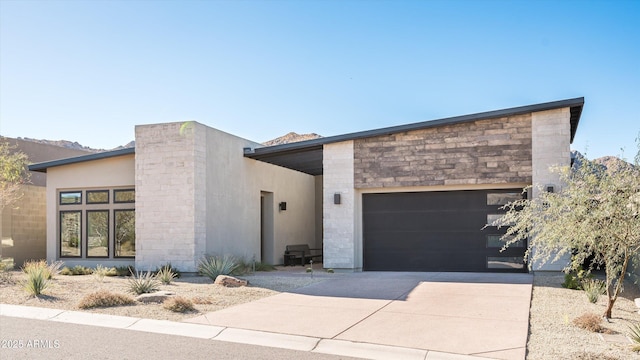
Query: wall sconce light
(336,198)
(549,188)
(282,206)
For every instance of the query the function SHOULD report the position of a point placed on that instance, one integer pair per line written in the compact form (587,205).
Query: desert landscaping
(552,333)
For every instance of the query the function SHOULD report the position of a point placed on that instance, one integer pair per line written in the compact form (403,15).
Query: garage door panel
(432,231)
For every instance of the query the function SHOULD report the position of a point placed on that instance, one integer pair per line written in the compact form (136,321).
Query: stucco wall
(340,250)
(98,174)
(24,227)
(550,147)
(197,194)
(481,152)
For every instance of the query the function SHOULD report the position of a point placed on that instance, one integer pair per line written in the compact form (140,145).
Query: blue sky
(88,71)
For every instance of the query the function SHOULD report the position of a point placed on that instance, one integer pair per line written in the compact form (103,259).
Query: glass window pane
(502,198)
(495,241)
(97,233)
(98,197)
(70,233)
(124,196)
(70,197)
(125,233)
(512,262)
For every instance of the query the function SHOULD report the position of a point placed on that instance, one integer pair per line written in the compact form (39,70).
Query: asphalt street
(38,339)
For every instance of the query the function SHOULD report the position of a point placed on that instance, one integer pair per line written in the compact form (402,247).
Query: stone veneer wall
(170,199)
(339,220)
(551,136)
(489,151)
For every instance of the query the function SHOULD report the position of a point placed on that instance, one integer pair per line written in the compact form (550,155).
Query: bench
(301,254)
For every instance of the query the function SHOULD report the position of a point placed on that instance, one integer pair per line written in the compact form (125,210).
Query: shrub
(574,280)
(124,270)
(635,336)
(54,268)
(330,271)
(212,266)
(178,304)
(76,270)
(100,272)
(104,298)
(260,266)
(6,275)
(593,288)
(38,276)
(201,301)
(165,275)
(590,322)
(168,266)
(142,283)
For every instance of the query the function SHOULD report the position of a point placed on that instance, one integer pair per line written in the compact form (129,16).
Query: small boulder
(230,281)
(156,297)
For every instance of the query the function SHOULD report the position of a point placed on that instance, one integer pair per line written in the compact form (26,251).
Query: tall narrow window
(98,233)
(70,234)
(125,233)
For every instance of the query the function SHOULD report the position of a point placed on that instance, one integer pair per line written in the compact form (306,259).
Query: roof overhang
(43,166)
(306,156)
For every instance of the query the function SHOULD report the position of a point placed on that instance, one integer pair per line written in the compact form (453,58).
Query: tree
(595,218)
(13,174)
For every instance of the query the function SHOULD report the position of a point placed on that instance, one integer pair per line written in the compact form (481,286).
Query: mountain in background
(75,145)
(291,138)
(609,163)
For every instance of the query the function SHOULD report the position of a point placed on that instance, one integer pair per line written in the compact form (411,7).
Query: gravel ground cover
(552,334)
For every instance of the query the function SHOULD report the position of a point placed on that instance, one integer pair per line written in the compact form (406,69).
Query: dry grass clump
(592,356)
(591,322)
(178,304)
(104,298)
(199,300)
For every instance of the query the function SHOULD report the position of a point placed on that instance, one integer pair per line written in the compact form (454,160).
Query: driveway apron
(478,314)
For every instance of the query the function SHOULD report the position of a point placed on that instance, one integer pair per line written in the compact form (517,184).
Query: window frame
(69,192)
(62,212)
(115,234)
(98,202)
(108,227)
(115,196)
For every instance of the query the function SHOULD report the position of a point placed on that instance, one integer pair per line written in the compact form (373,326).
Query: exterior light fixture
(282,206)
(549,188)
(336,198)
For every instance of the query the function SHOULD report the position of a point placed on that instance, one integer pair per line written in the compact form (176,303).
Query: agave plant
(142,283)
(212,266)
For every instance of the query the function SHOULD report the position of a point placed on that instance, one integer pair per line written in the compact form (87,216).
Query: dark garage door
(437,231)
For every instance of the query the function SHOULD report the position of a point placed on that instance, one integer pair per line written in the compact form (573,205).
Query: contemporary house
(412,197)
(23,225)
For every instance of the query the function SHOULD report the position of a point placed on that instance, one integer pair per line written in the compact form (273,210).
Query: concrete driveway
(483,315)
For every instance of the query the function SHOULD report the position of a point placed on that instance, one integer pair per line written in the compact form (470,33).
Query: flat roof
(306,156)
(43,166)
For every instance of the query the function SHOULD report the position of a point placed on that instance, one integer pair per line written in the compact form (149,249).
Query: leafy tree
(595,218)
(13,174)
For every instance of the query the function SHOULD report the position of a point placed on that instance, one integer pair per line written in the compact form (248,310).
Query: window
(98,197)
(125,233)
(503,198)
(71,197)
(70,234)
(495,241)
(507,262)
(124,196)
(97,232)
(103,226)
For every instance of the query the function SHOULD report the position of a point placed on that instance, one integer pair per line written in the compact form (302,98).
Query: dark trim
(43,166)
(69,192)
(575,104)
(60,235)
(87,212)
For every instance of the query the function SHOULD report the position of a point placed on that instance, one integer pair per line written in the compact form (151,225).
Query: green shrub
(76,270)
(124,270)
(573,280)
(635,336)
(212,266)
(260,266)
(178,304)
(593,288)
(104,298)
(38,276)
(142,283)
(330,271)
(168,266)
(165,275)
